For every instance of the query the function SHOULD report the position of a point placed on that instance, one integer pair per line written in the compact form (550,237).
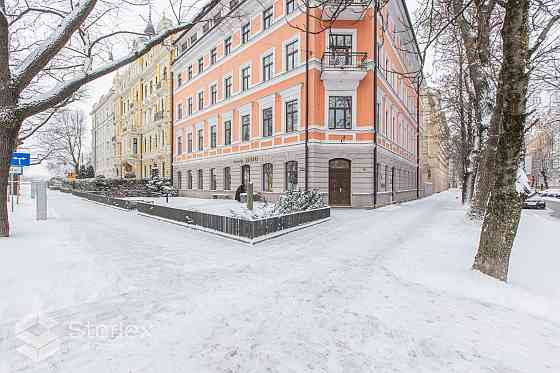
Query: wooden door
(339,182)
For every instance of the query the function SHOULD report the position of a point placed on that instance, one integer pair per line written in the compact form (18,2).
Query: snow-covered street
(387,290)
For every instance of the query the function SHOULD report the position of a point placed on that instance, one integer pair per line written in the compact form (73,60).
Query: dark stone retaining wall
(122,203)
(236,227)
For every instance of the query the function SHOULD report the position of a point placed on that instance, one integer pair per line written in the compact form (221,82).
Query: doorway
(340,182)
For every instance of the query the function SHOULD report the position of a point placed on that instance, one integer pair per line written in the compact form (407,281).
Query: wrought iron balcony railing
(342,60)
(158,116)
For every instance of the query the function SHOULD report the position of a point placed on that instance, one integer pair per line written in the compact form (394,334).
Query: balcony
(352,10)
(342,70)
(158,116)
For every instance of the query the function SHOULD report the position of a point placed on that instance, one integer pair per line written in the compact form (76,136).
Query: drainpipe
(171,113)
(418,140)
(375,113)
(307,96)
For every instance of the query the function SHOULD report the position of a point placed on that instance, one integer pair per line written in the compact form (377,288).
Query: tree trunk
(7,146)
(504,206)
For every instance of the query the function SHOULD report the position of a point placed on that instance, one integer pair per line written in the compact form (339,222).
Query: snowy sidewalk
(386,290)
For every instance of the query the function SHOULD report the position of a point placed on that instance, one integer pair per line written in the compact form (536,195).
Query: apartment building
(103,136)
(435,156)
(249,109)
(143,113)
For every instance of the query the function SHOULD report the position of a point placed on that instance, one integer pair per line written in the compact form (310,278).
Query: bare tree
(64,138)
(48,52)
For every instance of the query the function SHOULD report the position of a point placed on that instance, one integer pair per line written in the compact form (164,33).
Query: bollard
(41,194)
(250,196)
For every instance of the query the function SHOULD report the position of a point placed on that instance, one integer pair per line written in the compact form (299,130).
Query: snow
(225,207)
(522,182)
(387,290)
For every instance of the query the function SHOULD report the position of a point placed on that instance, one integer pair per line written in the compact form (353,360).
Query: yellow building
(142,105)
(435,155)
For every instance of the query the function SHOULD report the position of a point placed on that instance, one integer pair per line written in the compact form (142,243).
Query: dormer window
(193,38)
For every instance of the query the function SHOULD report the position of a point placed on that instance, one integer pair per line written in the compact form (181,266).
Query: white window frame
(241,68)
(271,51)
(245,110)
(225,117)
(329,93)
(227,75)
(265,103)
(286,95)
(284,44)
(342,31)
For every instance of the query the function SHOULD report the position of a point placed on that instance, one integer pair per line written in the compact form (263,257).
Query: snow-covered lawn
(387,290)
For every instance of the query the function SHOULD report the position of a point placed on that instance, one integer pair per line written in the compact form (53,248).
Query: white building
(103,136)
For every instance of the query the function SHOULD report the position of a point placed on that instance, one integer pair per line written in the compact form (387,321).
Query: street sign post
(20,159)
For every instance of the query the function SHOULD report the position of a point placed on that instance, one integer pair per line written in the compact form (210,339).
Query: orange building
(243,113)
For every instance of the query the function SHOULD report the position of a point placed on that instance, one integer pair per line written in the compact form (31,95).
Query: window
(267,122)
(189,143)
(245,77)
(213,56)
(179,79)
(227,178)
(233,4)
(189,106)
(245,32)
(340,112)
(267,18)
(227,132)
(200,100)
(290,6)
(135,145)
(227,46)
(206,27)
(189,72)
(200,139)
(291,115)
(291,175)
(245,175)
(245,128)
(193,38)
(200,65)
(200,180)
(213,179)
(213,94)
(227,87)
(267,177)
(179,145)
(291,55)
(268,66)
(179,111)
(213,136)
(179,184)
(189,179)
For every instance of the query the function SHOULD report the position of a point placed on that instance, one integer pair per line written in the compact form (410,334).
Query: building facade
(244,113)
(143,114)
(435,153)
(103,136)
(542,159)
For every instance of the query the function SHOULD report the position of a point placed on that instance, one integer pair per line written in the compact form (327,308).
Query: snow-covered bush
(294,201)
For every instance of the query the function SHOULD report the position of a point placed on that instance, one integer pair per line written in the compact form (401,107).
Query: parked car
(534,201)
(551,193)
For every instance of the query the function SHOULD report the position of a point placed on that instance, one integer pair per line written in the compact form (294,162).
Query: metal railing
(158,116)
(342,60)
(346,3)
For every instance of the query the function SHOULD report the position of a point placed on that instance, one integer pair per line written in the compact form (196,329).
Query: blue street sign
(21,159)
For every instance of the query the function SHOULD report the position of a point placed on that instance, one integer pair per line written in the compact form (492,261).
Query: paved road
(323,299)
